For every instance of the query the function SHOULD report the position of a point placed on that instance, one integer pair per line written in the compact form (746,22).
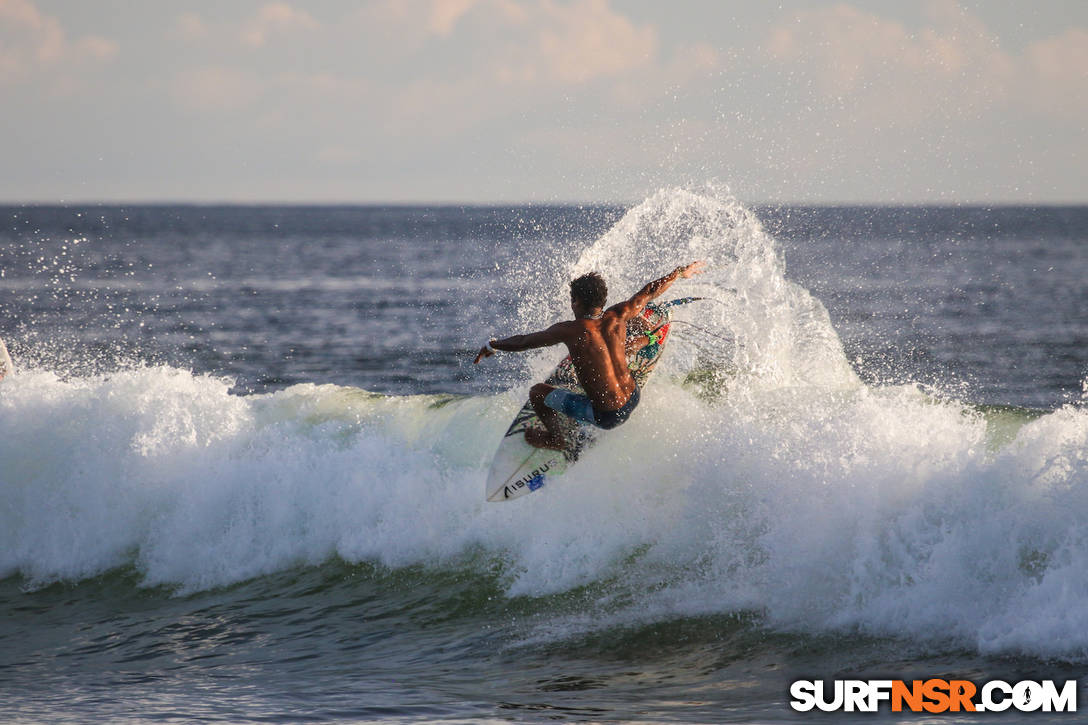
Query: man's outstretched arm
(517,343)
(633,306)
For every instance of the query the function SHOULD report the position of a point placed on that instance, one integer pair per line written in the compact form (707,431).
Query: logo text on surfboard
(533,480)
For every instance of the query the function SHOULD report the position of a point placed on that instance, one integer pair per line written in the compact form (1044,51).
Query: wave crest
(758,474)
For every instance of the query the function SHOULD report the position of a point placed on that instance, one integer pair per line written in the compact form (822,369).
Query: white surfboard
(518,468)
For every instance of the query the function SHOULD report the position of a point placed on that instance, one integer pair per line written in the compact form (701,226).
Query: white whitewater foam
(777,482)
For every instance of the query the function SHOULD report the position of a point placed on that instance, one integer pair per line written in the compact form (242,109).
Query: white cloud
(95,47)
(525,54)
(273,19)
(954,66)
(34,43)
(190,26)
(687,64)
(1057,74)
(410,23)
(542,41)
(847,50)
(216,88)
(443,15)
(584,40)
(438,67)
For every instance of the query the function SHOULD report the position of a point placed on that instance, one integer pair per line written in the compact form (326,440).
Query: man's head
(588,293)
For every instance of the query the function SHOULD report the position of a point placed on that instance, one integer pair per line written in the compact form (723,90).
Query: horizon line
(496,204)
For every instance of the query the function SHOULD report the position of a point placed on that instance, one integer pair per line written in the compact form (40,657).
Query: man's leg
(553,438)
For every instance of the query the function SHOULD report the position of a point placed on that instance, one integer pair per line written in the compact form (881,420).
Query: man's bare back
(597,353)
(596,339)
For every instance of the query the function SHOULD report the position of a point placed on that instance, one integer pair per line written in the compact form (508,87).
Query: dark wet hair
(590,290)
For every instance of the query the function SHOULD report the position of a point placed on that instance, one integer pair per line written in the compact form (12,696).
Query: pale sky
(476,101)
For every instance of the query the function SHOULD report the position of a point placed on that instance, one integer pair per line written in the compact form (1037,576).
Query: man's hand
(693,269)
(633,306)
(485,351)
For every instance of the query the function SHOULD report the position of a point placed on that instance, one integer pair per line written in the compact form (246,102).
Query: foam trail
(770,480)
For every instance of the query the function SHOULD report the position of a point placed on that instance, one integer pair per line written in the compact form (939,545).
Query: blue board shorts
(580,408)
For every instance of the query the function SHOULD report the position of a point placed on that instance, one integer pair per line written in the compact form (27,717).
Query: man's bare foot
(538,438)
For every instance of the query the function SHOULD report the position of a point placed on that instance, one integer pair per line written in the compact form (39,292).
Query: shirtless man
(596,341)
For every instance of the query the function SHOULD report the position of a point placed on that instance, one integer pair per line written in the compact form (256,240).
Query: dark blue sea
(242,462)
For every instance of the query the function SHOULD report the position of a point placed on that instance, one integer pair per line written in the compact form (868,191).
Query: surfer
(596,341)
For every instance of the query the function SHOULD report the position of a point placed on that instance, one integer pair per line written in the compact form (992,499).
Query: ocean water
(242,462)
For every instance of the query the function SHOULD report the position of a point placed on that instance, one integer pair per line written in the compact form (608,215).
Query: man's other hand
(693,269)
